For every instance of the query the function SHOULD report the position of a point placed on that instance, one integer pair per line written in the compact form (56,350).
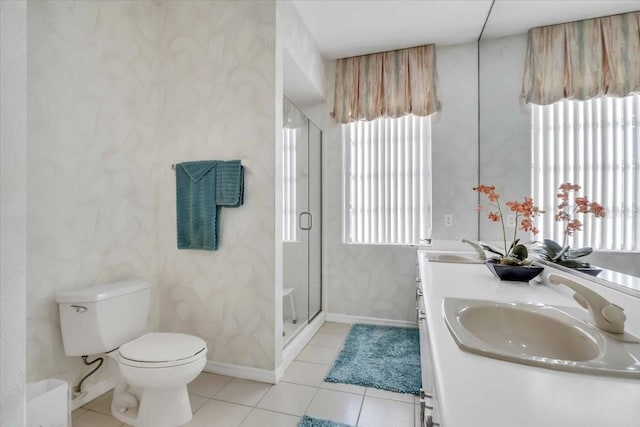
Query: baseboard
(96,390)
(239,371)
(264,375)
(344,318)
(296,345)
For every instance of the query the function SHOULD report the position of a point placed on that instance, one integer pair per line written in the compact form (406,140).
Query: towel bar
(173,165)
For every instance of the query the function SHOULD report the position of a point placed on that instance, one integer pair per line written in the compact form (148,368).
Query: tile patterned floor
(220,401)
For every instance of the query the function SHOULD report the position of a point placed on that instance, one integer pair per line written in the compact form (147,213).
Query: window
(387,181)
(596,144)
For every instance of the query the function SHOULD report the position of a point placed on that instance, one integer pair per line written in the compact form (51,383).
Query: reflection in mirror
(505,121)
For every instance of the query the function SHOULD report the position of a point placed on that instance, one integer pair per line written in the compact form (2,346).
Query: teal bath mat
(383,357)
(318,422)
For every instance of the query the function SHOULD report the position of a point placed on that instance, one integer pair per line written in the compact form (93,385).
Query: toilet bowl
(159,366)
(150,371)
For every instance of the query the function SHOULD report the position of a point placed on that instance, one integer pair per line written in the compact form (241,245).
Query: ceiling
(343,28)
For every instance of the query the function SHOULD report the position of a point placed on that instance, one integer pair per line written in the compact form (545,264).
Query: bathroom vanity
(464,389)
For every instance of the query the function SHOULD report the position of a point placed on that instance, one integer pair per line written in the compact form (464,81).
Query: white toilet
(150,371)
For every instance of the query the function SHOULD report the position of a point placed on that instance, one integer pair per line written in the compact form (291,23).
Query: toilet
(150,371)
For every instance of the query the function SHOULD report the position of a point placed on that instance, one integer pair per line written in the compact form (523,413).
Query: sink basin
(538,335)
(528,332)
(455,258)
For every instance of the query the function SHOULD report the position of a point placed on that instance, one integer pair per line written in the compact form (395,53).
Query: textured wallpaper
(118,91)
(218,89)
(90,199)
(13,156)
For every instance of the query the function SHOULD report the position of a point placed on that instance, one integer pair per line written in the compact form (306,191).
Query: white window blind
(387,181)
(289,226)
(595,144)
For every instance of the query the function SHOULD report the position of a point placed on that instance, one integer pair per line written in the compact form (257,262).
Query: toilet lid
(162,347)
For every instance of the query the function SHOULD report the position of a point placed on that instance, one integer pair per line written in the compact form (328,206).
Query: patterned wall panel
(118,91)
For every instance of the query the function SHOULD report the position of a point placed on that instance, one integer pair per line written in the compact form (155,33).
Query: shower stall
(302,221)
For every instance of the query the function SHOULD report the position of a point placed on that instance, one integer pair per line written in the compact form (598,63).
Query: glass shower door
(315,233)
(301,221)
(295,249)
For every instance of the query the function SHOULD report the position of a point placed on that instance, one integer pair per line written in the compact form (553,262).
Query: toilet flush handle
(79,308)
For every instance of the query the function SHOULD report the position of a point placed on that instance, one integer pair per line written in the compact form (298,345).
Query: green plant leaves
(577,253)
(491,249)
(520,252)
(552,246)
(560,254)
(564,256)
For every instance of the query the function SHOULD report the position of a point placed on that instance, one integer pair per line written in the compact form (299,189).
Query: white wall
(454,135)
(13,157)
(505,125)
(118,91)
(304,68)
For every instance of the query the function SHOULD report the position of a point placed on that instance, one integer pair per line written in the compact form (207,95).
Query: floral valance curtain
(583,59)
(388,84)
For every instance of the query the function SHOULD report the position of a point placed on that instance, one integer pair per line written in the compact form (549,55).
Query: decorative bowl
(513,273)
(591,271)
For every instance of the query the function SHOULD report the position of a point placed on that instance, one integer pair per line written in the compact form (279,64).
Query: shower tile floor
(221,401)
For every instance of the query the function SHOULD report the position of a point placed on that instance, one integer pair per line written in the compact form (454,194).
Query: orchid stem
(504,231)
(515,230)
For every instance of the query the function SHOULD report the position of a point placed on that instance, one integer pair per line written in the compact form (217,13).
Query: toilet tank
(101,318)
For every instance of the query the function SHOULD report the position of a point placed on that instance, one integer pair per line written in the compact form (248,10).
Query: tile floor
(220,401)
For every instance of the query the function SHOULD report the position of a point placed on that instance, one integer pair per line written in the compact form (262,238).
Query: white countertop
(476,391)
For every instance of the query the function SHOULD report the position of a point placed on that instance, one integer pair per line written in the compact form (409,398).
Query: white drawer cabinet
(428,396)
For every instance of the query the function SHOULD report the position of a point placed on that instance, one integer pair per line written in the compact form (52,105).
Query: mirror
(504,129)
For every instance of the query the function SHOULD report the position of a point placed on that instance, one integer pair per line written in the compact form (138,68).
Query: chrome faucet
(606,316)
(478,248)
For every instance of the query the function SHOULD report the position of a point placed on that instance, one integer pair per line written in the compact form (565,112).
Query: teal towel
(307,421)
(201,188)
(229,184)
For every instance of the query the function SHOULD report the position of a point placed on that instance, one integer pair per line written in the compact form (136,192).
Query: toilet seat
(162,350)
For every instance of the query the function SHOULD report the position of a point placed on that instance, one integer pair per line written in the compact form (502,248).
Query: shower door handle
(309,222)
